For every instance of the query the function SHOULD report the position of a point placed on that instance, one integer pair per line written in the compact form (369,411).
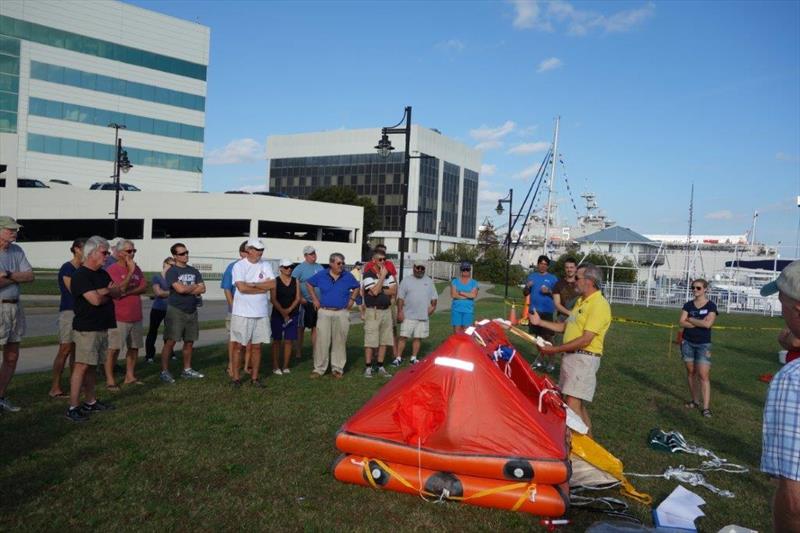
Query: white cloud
(527,172)
(237,151)
(487,133)
(485,146)
(526,15)
(529,14)
(550,63)
(724,214)
(451,46)
(527,130)
(529,148)
(488,170)
(486,195)
(783,156)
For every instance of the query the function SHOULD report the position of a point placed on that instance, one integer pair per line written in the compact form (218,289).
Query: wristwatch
(8,274)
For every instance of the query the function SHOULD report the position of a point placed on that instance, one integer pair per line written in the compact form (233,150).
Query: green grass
(202,456)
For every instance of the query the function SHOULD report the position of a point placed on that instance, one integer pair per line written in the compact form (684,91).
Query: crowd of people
(100,316)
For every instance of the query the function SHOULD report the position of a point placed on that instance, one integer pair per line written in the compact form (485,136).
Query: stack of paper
(679,510)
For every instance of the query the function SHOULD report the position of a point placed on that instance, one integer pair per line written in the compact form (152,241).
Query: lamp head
(384,146)
(499,209)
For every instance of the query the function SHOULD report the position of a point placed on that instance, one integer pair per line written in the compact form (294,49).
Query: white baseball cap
(255,243)
(309,250)
(286,263)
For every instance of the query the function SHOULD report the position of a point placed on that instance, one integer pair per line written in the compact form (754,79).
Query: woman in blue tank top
(463,291)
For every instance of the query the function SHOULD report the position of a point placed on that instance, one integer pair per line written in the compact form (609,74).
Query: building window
(181,228)
(367,172)
(9,83)
(428,194)
(46,35)
(469,207)
(271,229)
(44,230)
(107,84)
(105,152)
(450,199)
(101,117)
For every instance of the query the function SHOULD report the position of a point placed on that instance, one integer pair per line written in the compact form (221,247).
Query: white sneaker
(368,372)
(414,361)
(6,405)
(397,362)
(287,371)
(383,373)
(190,373)
(277,372)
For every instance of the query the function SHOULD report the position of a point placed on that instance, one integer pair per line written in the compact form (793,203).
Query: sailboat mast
(550,187)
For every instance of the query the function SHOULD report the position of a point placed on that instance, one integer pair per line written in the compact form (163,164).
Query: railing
(728,299)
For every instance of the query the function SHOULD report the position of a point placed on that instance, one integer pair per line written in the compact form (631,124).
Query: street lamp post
(121,162)
(510,201)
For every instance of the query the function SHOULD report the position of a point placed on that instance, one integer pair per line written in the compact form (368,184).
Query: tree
(347,196)
(487,236)
(625,271)
(459,252)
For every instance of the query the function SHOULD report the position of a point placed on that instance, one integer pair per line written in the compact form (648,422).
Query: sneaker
(191,373)
(383,373)
(337,374)
(537,363)
(287,371)
(706,413)
(76,415)
(256,383)
(236,383)
(414,361)
(166,377)
(277,371)
(6,405)
(173,357)
(368,372)
(149,360)
(315,375)
(96,407)
(397,361)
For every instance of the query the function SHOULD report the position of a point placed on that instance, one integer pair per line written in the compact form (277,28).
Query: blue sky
(654,96)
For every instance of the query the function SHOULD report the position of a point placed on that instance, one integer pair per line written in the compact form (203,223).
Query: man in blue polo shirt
(338,290)
(540,287)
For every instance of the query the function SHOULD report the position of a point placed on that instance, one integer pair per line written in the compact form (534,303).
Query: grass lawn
(202,456)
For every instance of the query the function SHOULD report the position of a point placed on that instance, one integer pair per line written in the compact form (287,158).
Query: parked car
(26,183)
(110,186)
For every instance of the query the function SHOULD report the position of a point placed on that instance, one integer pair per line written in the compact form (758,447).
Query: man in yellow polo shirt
(584,332)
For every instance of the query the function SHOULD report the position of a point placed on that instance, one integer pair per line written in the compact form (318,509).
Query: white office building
(443,181)
(69,68)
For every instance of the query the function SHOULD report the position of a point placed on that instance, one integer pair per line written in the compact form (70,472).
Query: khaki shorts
(579,375)
(128,333)
(378,329)
(90,347)
(12,323)
(416,329)
(181,326)
(250,330)
(65,327)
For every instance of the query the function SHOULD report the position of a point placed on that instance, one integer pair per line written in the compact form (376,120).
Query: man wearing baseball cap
(780,457)
(253,278)
(308,313)
(14,269)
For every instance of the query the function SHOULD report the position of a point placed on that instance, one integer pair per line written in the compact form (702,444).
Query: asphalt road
(43,320)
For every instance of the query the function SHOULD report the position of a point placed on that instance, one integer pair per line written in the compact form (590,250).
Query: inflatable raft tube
(544,471)
(525,497)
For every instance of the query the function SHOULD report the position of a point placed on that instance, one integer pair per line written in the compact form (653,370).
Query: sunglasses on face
(380,260)
(465,270)
(105,252)
(420,268)
(698,288)
(336,263)
(131,251)
(185,252)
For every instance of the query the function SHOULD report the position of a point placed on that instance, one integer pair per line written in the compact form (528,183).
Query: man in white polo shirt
(253,278)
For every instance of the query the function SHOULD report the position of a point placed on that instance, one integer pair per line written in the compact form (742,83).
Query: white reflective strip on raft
(484,322)
(454,363)
(470,330)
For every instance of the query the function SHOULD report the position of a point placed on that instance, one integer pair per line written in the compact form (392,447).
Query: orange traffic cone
(512,315)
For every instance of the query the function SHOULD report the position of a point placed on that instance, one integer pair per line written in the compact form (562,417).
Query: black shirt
(90,317)
(285,293)
(382,300)
(698,335)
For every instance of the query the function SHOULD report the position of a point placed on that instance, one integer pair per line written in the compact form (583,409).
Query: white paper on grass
(680,509)
(575,423)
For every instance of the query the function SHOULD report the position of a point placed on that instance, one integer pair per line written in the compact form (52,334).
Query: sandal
(136,382)
(59,396)
(113,388)
(691,404)
(706,413)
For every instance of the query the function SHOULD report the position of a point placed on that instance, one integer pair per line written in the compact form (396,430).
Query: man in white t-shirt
(253,278)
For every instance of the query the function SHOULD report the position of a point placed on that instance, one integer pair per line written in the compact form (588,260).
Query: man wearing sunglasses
(127,275)
(377,288)
(416,302)
(338,290)
(181,322)
(14,269)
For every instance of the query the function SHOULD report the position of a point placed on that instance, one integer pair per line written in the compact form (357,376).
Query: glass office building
(68,69)
(443,181)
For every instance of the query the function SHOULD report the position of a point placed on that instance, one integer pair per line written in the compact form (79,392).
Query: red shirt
(389,267)
(128,308)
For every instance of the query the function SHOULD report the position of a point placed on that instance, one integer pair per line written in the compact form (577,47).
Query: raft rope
(528,494)
(673,442)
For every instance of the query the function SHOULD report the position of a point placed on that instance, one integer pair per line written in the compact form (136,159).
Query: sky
(653,97)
